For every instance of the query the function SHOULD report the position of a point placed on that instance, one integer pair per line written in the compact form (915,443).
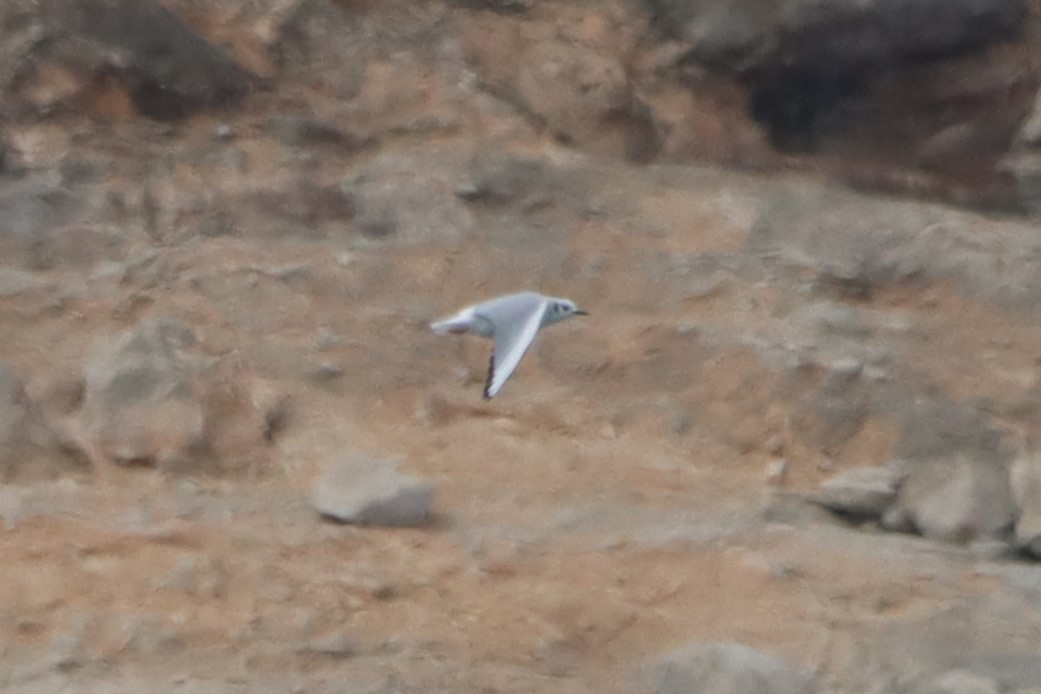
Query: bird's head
(565,308)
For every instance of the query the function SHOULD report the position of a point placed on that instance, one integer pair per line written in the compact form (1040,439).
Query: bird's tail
(451,326)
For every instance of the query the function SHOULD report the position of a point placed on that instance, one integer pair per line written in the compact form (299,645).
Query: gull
(512,321)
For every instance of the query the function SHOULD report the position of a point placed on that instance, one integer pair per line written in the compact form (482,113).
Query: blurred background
(793,449)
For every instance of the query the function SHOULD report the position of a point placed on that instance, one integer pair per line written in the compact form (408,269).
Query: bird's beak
(580,312)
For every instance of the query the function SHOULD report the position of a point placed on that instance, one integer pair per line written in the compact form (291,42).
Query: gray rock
(870,244)
(338,644)
(993,637)
(832,317)
(68,648)
(789,508)
(953,467)
(958,682)
(1025,480)
(936,428)
(864,492)
(1024,167)
(897,520)
(152,636)
(726,668)
(1030,130)
(32,207)
(496,179)
(14,282)
(958,499)
(371,492)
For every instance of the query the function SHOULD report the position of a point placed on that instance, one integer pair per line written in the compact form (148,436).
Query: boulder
(864,493)
(367,491)
(726,668)
(954,473)
(152,397)
(30,448)
(957,499)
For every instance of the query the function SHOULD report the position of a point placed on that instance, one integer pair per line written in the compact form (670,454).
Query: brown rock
(72,48)
(30,449)
(152,397)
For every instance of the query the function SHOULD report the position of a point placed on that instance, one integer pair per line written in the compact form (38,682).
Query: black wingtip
(488,380)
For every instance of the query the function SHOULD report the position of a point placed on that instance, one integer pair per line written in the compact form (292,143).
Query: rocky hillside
(794,448)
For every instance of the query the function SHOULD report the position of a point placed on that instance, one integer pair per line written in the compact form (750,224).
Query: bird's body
(512,321)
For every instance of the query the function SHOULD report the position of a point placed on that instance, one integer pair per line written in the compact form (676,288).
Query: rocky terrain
(793,449)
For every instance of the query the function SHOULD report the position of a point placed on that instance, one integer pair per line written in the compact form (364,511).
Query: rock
(30,449)
(306,203)
(153,636)
(152,397)
(1030,131)
(572,87)
(957,499)
(832,317)
(48,226)
(14,282)
(195,576)
(954,477)
(794,509)
(974,642)
(726,668)
(1024,167)
(777,472)
(501,6)
(957,682)
(803,57)
(68,47)
(338,644)
(495,179)
(411,200)
(300,131)
(371,492)
(31,207)
(864,492)
(142,395)
(830,415)
(68,649)
(1025,480)
(838,38)
(580,92)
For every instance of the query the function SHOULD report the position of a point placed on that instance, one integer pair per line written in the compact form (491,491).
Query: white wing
(512,339)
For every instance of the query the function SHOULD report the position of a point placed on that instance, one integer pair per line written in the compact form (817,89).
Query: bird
(512,321)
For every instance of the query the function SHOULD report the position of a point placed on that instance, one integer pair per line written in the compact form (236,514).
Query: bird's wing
(515,330)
